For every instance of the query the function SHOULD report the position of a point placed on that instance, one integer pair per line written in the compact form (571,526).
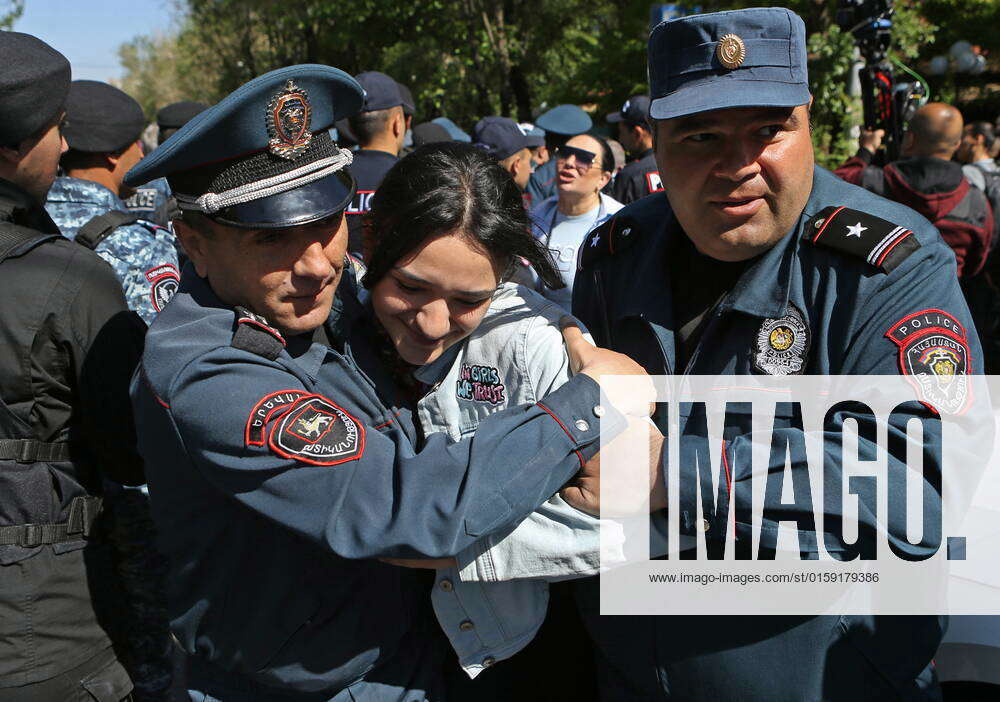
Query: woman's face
(579,176)
(435,297)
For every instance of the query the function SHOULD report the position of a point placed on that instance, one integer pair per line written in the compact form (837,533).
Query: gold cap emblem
(731,51)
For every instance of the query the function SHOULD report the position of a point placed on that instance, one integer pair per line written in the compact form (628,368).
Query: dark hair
(985,130)
(607,156)
(73,159)
(451,187)
(369,125)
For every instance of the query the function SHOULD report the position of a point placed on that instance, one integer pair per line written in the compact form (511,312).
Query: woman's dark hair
(451,187)
(607,156)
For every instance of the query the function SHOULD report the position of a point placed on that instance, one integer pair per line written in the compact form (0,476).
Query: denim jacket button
(466,625)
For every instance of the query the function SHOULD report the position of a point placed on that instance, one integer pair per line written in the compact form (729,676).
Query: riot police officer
(104,126)
(750,236)
(279,453)
(68,348)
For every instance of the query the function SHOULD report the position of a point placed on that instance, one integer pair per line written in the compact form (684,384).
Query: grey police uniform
(839,284)
(141,253)
(152,203)
(280,469)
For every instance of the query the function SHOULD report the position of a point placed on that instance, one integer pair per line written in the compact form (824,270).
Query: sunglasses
(584,158)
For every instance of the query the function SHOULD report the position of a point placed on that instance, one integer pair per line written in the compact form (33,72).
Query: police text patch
(266,409)
(317,431)
(883,244)
(934,355)
(163,281)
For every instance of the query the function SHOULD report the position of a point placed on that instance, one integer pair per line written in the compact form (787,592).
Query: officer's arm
(107,340)
(361,489)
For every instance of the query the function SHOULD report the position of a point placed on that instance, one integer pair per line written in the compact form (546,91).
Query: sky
(89,32)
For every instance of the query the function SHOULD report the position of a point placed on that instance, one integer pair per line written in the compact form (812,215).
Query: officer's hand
(432,563)
(633,397)
(625,494)
(871,139)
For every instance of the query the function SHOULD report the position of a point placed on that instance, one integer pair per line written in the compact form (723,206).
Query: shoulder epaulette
(612,237)
(254,334)
(883,244)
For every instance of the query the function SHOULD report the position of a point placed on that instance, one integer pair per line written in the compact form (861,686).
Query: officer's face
(737,179)
(36,162)
(287,275)
(435,297)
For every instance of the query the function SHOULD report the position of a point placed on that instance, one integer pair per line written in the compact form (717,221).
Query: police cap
(33,86)
(635,111)
(740,58)
(456,132)
(262,158)
(430,133)
(177,114)
(381,91)
(100,118)
(534,135)
(409,106)
(568,120)
(500,136)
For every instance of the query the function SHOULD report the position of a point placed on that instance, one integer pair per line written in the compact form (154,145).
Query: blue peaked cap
(256,140)
(568,120)
(764,47)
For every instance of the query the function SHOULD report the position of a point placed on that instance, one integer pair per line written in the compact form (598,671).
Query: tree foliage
(10,12)
(469,58)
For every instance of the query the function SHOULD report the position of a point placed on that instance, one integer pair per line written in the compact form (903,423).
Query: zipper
(602,304)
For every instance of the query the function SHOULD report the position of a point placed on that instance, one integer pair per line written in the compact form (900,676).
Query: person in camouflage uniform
(103,136)
(86,204)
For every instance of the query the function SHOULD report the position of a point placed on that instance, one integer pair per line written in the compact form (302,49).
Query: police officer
(640,176)
(559,124)
(280,454)
(380,129)
(152,201)
(749,237)
(104,125)
(504,140)
(68,348)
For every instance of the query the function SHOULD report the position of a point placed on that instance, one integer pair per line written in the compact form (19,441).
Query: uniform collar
(67,189)
(17,206)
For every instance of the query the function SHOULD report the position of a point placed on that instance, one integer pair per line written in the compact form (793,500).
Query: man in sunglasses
(584,165)
(756,262)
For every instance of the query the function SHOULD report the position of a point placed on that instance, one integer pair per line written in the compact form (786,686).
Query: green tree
(10,12)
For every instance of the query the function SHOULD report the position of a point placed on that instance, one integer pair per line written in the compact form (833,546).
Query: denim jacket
(493,603)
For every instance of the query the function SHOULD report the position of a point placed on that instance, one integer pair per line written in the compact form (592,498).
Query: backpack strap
(100,227)
(15,239)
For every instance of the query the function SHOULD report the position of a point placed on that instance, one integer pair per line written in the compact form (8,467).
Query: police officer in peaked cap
(68,348)
(749,237)
(640,176)
(280,464)
(559,124)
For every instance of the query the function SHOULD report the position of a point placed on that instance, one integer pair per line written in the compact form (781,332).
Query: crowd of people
(294,403)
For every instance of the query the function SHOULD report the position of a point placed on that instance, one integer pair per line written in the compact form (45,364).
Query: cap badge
(731,51)
(288,118)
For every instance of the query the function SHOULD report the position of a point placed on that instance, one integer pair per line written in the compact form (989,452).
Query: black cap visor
(302,205)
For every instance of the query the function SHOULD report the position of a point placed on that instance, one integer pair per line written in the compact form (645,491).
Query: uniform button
(582,425)
(598,410)
(488,661)
(626,231)
(466,626)
(447,586)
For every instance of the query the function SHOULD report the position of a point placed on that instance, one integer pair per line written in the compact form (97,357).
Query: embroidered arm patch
(306,427)
(934,355)
(163,281)
(881,243)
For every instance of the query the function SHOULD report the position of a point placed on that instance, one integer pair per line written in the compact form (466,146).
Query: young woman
(446,229)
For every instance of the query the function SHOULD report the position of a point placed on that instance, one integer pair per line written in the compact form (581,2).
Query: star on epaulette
(612,237)
(883,244)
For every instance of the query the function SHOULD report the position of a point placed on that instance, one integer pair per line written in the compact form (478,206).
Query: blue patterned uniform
(142,254)
(152,202)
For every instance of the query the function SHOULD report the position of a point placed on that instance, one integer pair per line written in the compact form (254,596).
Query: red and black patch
(163,283)
(883,244)
(267,408)
(934,355)
(654,183)
(317,431)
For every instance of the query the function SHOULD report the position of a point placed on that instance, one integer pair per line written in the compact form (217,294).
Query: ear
(195,244)
(10,156)
(605,177)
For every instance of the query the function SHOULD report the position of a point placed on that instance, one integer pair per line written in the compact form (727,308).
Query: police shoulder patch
(883,244)
(613,236)
(315,430)
(934,355)
(254,334)
(163,283)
